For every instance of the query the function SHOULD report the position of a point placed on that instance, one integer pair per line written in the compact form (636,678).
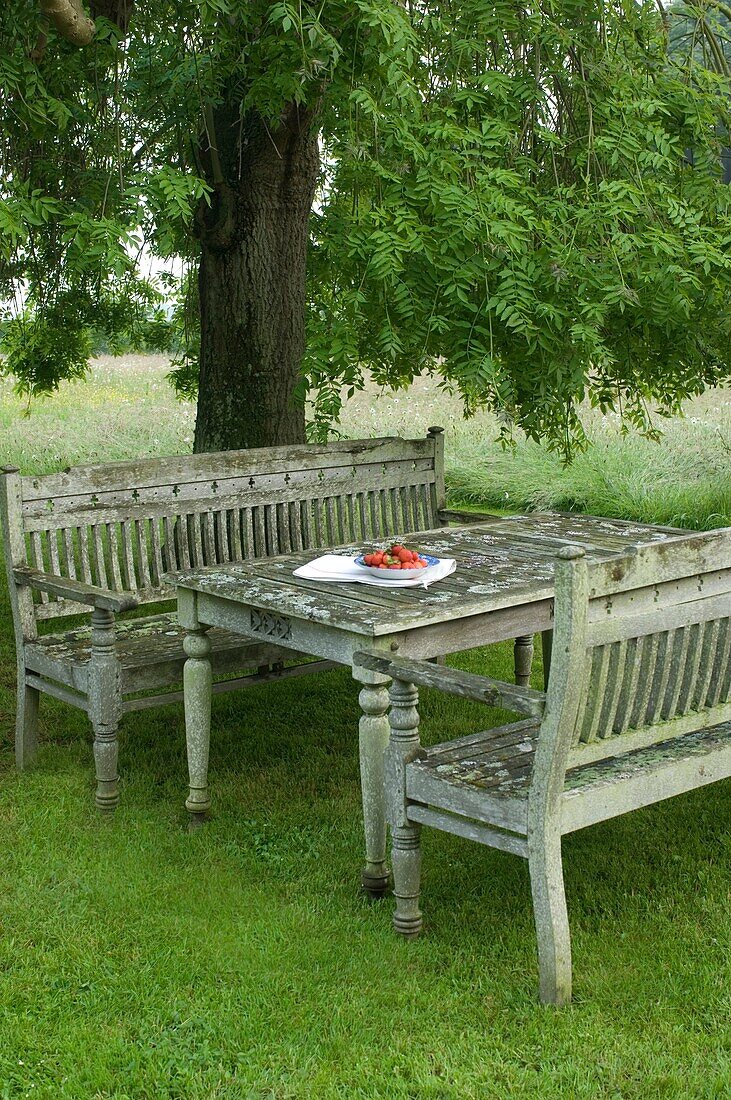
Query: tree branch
(70,20)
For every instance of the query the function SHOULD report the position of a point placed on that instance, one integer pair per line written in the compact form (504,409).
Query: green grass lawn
(240,962)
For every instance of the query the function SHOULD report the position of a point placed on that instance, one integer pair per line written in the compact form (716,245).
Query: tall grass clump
(684,479)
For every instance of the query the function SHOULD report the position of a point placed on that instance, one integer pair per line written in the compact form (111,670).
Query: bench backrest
(642,651)
(124,525)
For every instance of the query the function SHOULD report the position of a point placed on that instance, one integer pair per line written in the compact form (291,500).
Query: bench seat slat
(150,651)
(496,765)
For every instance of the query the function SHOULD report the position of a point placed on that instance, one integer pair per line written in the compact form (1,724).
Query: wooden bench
(638,709)
(109,537)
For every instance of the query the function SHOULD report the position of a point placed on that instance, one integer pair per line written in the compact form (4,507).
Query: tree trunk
(252,278)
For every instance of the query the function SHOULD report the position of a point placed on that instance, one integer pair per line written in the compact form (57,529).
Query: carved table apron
(502,589)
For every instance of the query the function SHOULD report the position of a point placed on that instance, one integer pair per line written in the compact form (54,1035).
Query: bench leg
(197,681)
(406,857)
(105,707)
(405,835)
(26,721)
(373,739)
(551,918)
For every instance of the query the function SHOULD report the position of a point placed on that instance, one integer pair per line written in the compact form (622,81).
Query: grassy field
(127,409)
(242,963)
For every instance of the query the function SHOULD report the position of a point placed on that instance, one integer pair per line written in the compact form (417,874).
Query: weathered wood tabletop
(500,564)
(502,588)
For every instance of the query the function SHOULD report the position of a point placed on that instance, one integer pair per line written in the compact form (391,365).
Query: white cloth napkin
(337,567)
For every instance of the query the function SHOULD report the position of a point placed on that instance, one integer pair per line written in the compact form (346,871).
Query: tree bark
(251,277)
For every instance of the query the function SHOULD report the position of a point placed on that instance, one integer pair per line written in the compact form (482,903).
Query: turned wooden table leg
(523,655)
(197,681)
(546,648)
(374,732)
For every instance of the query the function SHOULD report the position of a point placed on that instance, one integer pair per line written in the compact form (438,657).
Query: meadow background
(138,962)
(126,409)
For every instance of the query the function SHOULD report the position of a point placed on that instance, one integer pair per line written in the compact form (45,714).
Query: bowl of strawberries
(397,561)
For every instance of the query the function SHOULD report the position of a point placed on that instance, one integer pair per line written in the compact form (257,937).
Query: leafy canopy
(525,198)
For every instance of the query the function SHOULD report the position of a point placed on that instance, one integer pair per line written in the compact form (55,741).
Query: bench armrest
(496,693)
(79,591)
(451,515)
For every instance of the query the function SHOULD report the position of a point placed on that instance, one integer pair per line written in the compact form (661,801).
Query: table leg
(374,733)
(547,647)
(523,656)
(197,680)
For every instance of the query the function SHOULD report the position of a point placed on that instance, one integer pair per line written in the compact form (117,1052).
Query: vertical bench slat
(329,520)
(53,554)
(628,685)
(171,560)
(84,554)
(247,533)
(191,532)
(183,541)
(342,534)
(208,539)
(425,507)
(69,554)
(722,661)
(617,665)
(597,682)
(305,521)
(271,534)
(139,532)
(36,558)
(647,673)
(386,522)
(233,523)
(352,524)
(317,523)
(725,664)
(430,504)
(360,506)
(278,539)
(659,686)
(677,662)
(703,680)
(396,519)
(369,517)
(260,540)
(130,579)
(293,527)
(100,565)
(157,567)
(113,541)
(414,505)
(697,634)
(221,547)
(406,507)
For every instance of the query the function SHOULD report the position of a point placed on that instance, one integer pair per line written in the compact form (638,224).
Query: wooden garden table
(502,589)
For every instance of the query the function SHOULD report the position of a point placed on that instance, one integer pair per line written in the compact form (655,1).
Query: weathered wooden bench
(109,537)
(638,709)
